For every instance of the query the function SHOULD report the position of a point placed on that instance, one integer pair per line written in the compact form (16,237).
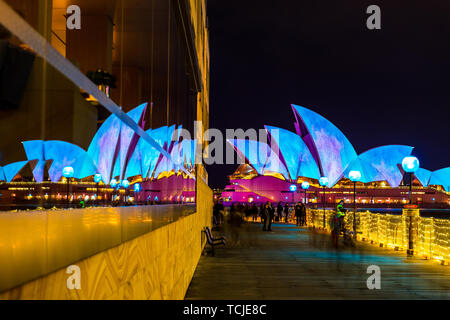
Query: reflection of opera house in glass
(116,152)
(319,149)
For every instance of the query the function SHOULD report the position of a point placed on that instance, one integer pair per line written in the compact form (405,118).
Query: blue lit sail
(295,153)
(423,175)
(441,178)
(334,151)
(66,154)
(381,164)
(12,170)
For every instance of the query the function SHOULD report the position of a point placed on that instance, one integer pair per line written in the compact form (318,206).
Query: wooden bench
(212,241)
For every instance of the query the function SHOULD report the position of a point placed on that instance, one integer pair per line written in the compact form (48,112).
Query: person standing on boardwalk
(298,212)
(286,212)
(303,215)
(265,215)
(271,217)
(279,212)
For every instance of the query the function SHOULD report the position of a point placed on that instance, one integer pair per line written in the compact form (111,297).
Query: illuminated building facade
(319,149)
(158,52)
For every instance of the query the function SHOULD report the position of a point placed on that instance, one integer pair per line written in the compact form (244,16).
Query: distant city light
(125,183)
(293,187)
(97,178)
(410,164)
(113,183)
(354,176)
(323,181)
(137,187)
(68,172)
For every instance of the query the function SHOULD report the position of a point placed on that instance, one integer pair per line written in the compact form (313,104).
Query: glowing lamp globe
(293,188)
(68,172)
(97,178)
(410,164)
(113,183)
(354,176)
(323,181)
(305,185)
(125,183)
(137,187)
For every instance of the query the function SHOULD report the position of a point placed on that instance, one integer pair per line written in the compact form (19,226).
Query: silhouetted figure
(279,212)
(298,212)
(286,212)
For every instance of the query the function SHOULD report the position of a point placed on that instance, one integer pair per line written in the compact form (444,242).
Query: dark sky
(388,86)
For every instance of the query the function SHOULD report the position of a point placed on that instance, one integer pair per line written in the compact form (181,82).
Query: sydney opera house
(126,166)
(274,170)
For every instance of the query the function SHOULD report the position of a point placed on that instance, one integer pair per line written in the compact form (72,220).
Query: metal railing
(430,236)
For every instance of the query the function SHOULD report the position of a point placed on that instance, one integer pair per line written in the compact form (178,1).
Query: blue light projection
(12,170)
(65,154)
(189,148)
(126,136)
(380,164)
(332,146)
(35,151)
(441,177)
(103,147)
(39,171)
(255,152)
(2,174)
(164,164)
(423,175)
(295,153)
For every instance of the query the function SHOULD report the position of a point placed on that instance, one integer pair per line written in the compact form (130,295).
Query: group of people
(266,211)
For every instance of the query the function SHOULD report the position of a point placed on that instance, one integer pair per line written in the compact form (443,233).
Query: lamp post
(125,184)
(410,164)
(97,179)
(323,181)
(293,188)
(137,189)
(113,185)
(68,173)
(354,176)
(305,186)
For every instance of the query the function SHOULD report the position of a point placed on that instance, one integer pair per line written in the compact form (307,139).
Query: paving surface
(299,263)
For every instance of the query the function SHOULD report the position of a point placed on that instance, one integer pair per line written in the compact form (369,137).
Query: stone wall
(156,265)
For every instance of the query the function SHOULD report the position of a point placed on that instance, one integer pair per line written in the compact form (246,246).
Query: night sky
(388,86)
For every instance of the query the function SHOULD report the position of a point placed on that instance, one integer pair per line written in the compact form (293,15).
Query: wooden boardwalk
(297,263)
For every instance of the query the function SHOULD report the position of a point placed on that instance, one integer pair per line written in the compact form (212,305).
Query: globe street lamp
(354,176)
(293,188)
(323,181)
(68,173)
(97,179)
(137,189)
(410,164)
(113,185)
(125,184)
(305,186)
